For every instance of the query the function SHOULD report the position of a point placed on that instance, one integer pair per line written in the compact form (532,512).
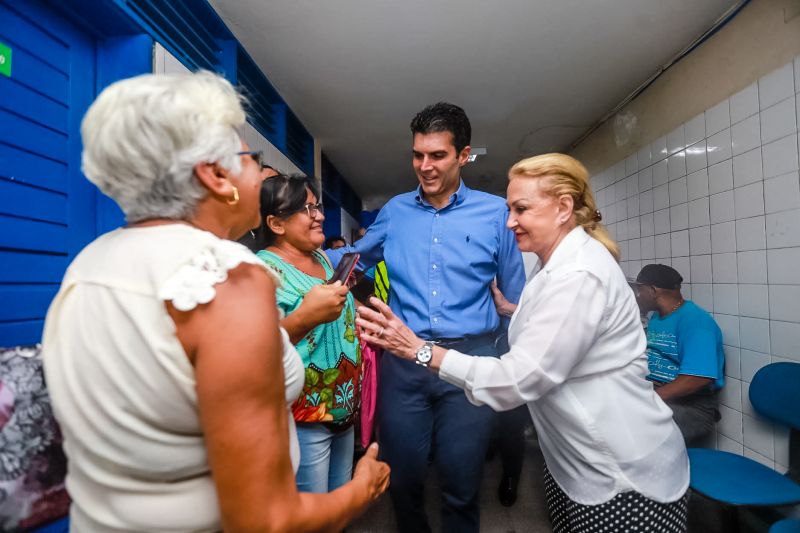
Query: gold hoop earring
(235,199)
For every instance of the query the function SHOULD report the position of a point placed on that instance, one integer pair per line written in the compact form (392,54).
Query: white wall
(764,35)
(718,198)
(166,63)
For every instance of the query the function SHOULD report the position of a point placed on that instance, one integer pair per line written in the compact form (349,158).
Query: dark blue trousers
(422,416)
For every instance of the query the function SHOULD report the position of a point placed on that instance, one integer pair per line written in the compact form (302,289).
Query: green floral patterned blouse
(331,352)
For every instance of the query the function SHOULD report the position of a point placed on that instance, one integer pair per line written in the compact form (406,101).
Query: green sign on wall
(5,60)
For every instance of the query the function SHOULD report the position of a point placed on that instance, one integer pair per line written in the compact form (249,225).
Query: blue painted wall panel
(23,332)
(22,132)
(24,267)
(31,168)
(30,303)
(25,234)
(42,110)
(31,202)
(46,205)
(22,26)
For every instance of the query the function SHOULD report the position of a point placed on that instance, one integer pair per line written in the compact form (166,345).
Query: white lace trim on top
(194,283)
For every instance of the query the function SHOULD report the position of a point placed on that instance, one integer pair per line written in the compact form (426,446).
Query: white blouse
(578,360)
(123,388)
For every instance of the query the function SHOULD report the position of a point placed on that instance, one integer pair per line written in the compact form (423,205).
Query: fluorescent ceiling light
(475,152)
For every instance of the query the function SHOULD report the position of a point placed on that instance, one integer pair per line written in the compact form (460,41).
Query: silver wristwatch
(425,354)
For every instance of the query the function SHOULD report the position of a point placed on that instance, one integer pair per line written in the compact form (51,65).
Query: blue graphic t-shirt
(687,341)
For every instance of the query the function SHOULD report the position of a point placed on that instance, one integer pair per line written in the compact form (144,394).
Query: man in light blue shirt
(443,245)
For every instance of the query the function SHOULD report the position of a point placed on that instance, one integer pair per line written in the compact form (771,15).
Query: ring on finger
(380,333)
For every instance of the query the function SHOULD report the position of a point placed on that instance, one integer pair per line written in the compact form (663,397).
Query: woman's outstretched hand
(383,328)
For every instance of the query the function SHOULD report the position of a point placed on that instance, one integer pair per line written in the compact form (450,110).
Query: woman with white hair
(615,460)
(164,360)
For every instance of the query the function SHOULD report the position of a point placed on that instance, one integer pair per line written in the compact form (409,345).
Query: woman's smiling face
(303,229)
(534,216)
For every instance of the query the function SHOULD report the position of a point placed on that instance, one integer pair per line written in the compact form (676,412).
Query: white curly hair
(143,136)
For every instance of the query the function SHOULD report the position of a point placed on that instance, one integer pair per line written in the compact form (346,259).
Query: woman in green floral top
(320,320)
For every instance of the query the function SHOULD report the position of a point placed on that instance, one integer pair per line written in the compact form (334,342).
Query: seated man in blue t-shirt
(684,352)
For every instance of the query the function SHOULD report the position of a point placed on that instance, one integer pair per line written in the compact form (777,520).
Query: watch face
(424,354)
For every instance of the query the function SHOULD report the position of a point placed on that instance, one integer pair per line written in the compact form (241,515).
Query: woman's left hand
(383,328)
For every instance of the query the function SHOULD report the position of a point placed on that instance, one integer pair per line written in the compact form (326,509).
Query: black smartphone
(345,268)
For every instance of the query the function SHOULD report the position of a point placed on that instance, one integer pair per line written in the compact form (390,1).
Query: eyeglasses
(312,210)
(258,157)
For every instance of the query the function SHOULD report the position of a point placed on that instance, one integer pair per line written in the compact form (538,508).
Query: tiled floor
(528,515)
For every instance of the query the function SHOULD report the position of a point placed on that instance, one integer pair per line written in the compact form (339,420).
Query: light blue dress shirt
(442,261)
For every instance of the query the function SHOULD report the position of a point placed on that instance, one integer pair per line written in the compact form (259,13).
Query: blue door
(47,208)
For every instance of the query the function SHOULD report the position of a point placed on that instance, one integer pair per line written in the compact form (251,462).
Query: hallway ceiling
(533,76)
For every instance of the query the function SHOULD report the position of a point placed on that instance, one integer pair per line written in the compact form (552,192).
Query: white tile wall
(696,157)
(747,168)
(782,193)
(720,177)
(746,135)
(780,156)
(744,103)
(750,234)
(695,130)
(779,120)
(718,198)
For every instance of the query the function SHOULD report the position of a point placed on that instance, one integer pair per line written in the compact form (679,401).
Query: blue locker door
(47,208)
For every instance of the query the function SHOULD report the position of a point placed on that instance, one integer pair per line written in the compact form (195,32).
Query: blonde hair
(566,175)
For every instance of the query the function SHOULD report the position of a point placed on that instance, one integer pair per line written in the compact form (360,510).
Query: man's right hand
(503,306)
(372,473)
(324,303)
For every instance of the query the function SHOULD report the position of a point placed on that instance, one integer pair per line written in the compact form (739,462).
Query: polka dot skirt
(626,512)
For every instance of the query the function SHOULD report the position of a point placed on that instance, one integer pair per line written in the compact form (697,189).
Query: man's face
(437,165)
(645,297)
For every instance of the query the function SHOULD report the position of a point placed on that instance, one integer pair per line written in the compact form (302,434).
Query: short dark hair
(330,240)
(444,117)
(282,196)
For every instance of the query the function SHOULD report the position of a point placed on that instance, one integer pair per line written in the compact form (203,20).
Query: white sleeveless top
(122,386)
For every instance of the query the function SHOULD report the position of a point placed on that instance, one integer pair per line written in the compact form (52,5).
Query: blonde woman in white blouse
(614,458)
(167,370)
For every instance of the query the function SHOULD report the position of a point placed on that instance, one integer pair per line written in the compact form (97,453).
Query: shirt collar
(457,198)
(566,249)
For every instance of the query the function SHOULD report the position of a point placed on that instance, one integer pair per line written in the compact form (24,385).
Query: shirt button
(436,215)
(434,267)
(435,239)
(434,293)
(435,320)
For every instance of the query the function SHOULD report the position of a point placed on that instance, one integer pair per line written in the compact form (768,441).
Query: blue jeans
(422,416)
(326,458)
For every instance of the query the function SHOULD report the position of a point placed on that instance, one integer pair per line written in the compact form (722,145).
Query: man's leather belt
(446,342)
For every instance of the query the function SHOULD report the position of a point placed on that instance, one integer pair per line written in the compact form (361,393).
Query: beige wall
(757,41)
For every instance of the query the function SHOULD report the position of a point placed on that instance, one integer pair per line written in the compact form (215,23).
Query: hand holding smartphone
(344,270)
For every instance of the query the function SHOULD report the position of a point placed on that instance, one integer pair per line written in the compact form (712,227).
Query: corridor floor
(528,515)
